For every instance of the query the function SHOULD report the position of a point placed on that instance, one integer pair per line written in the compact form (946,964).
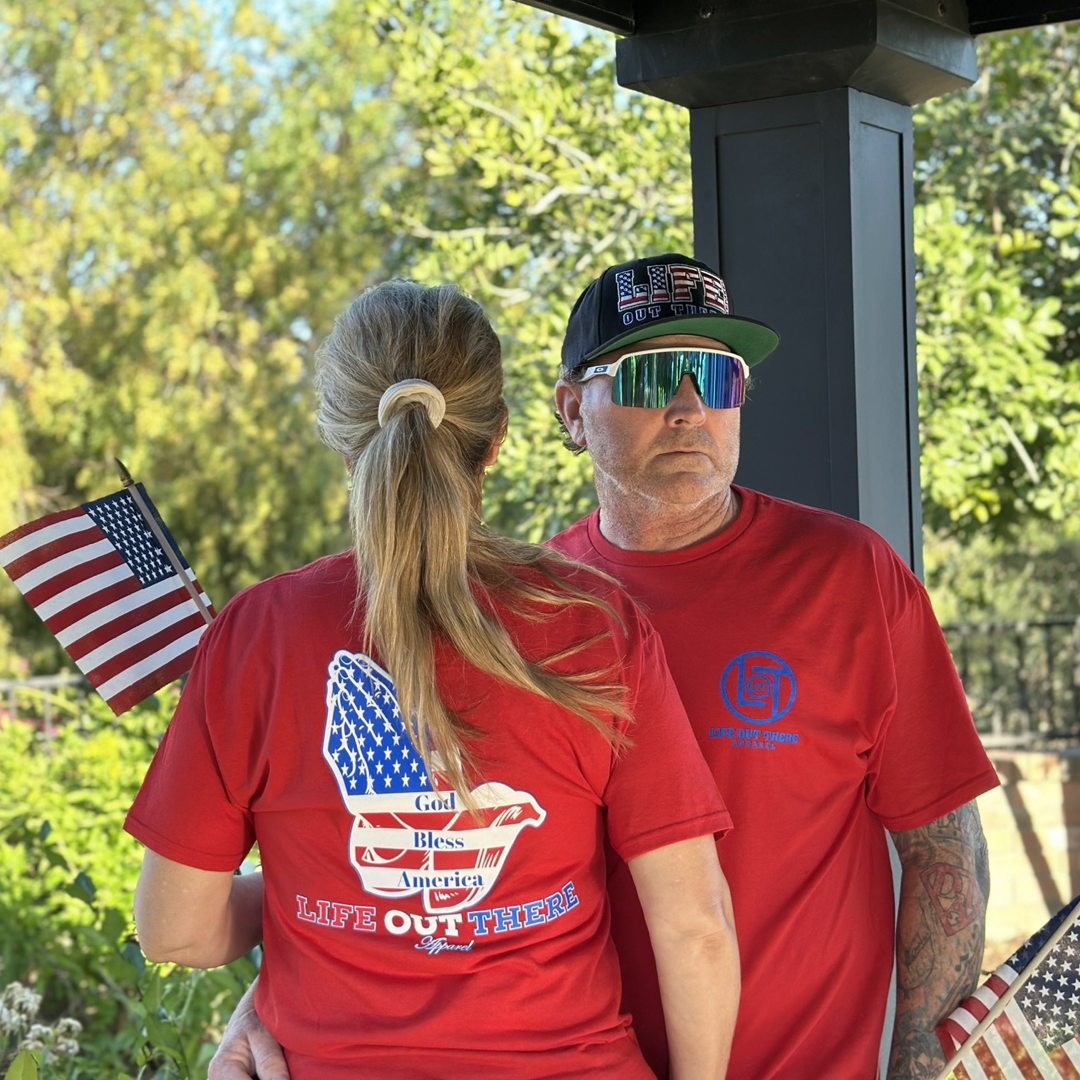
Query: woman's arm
(198,918)
(687,907)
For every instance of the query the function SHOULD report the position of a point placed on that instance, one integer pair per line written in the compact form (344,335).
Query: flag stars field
(103,584)
(1023,1022)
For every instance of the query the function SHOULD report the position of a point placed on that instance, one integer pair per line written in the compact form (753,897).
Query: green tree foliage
(67,872)
(977,578)
(187,200)
(190,192)
(182,201)
(998,234)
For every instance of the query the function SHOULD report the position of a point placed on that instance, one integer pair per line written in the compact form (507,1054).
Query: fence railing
(34,697)
(1022,678)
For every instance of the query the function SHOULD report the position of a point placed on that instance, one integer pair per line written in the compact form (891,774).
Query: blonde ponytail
(422,554)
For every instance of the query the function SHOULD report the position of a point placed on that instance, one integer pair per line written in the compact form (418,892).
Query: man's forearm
(939,934)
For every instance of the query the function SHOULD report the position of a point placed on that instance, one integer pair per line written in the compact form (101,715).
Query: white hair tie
(428,394)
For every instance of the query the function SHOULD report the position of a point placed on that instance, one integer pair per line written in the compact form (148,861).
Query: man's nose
(686,407)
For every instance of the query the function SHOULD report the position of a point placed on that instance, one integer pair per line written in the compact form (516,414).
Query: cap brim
(752,340)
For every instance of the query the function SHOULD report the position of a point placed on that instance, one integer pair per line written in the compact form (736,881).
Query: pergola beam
(608,15)
(801,152)
(624,17)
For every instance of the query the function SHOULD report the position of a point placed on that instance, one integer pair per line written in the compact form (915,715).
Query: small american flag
(103,584)
(411,836)
(1037,1005)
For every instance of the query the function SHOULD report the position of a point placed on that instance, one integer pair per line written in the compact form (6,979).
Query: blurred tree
(183,201)
(980,578)
(1006,151)
(997,235)
(190,192)
(999,415)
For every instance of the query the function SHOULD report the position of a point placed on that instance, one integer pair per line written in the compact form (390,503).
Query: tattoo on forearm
(916,956)
(939,933)
(920,1055)
(951,891)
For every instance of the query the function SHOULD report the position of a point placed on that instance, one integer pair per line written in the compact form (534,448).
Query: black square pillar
(804,203)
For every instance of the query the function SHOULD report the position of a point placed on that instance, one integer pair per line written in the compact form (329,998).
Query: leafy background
(189,193)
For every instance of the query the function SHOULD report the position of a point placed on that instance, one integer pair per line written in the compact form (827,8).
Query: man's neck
(639,525)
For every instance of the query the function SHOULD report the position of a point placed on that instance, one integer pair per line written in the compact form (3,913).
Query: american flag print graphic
(102,583)
(411,835)
(1036,1033)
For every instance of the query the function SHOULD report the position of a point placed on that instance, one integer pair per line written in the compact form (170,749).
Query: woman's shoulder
(578,601)
(288,599)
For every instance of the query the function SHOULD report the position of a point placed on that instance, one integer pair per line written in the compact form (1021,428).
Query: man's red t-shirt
(824,698)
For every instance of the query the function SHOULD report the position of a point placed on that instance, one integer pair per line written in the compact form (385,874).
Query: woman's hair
(425,562)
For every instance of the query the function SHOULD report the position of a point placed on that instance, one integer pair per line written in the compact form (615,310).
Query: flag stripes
(1023,1022)
(104,586)
(966,1018)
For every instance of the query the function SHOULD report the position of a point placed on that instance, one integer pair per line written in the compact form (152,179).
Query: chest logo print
(758,687)
(410,833)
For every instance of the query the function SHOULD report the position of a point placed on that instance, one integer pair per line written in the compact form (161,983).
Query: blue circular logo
(758,687)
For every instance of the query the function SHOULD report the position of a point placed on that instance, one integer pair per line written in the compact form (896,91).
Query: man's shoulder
(838,551)
(811,523)
(574,542)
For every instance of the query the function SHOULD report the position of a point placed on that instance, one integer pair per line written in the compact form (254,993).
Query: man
(818,684)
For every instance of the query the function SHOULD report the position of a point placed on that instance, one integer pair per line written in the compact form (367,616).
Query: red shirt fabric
(824,698)
(404,938)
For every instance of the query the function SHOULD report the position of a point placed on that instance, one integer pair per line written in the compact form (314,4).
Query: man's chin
(685,488)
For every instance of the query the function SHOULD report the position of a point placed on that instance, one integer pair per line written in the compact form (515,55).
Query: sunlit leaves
(189,193)
(998,235)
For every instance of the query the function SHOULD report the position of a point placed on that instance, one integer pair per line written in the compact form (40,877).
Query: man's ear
(568,406)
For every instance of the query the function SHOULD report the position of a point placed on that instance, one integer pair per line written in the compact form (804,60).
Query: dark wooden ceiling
(982,17)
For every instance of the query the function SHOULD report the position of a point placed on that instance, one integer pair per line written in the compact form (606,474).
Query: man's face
(679,455)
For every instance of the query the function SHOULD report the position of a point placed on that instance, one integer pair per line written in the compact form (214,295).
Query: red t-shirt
(403,937)
(824,698)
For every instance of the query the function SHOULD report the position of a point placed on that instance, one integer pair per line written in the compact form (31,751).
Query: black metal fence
(1022,678)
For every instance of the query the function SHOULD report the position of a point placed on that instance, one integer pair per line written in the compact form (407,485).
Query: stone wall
(1032,826)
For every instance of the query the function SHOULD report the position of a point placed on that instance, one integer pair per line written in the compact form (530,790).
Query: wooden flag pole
(155,528)
(999,1006)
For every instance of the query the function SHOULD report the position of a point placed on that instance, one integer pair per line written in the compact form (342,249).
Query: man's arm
(247,1049)
(940,928)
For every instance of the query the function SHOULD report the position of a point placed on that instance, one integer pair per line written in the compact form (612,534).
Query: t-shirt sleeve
(930,759)
(660,790)
(188,809)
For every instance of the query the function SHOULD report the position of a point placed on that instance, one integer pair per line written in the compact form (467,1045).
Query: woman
(427,737)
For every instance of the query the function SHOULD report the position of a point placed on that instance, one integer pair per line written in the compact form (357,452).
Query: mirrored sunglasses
(649,380)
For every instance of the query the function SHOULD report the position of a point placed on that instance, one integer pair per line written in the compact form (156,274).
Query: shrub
(67,873)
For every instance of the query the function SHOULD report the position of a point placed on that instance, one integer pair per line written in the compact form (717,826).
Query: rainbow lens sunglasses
(649,380)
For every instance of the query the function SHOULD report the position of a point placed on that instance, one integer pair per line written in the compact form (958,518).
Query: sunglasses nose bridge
(688,373)
(726,396)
